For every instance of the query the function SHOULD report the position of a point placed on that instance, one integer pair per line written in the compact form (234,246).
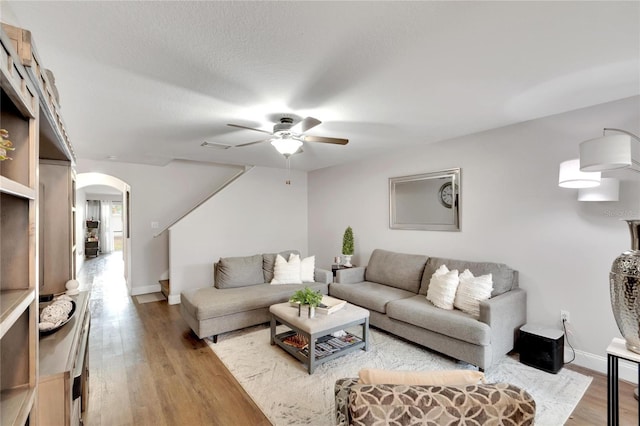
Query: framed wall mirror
(427,201)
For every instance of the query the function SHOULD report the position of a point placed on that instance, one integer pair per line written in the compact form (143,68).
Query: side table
(616,350)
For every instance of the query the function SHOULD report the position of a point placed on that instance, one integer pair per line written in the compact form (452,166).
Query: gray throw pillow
(233,272)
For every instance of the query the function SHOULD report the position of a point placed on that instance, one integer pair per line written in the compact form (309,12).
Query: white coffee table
(317,331)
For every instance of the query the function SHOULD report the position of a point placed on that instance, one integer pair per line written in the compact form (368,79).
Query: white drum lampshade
(571,177)
(609,190)
(609,152)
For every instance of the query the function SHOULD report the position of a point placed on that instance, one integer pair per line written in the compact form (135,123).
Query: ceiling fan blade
(252,143)
(305,124)
(215,145)
(249,128)
(324,139)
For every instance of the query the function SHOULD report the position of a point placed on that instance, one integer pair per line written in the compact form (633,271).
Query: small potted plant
(307,297)
(347,246)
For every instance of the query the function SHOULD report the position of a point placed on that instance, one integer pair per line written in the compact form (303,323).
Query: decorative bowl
(59,326)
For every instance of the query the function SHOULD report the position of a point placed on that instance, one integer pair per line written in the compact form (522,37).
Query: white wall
(258,213)
(512,211)
(158,194)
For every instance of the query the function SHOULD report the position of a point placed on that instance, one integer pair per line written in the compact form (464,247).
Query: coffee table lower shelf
(330,351)
(314,356)
(320,356)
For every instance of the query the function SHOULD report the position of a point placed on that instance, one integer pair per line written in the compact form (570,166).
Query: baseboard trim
(174,299)
(137,291)
(627,371)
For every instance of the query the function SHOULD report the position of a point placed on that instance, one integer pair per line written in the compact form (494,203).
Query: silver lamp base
(624,289)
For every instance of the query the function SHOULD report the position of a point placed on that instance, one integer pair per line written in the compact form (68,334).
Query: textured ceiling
(150,81)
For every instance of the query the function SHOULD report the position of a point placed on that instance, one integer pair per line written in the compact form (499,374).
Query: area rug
(288,395)
(150,297)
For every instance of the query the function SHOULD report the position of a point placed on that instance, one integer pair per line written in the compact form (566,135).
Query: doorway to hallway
(103,219)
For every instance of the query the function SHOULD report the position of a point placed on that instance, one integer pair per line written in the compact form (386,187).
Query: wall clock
(445,195)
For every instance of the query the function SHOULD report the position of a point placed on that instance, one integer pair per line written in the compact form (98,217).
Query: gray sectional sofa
(241,294)
(393,286)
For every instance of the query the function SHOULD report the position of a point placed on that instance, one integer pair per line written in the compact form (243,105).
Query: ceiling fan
(286,137)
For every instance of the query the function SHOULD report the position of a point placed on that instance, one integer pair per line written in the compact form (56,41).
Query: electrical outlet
(564,316)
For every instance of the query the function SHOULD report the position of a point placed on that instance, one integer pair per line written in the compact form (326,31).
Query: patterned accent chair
(483,404)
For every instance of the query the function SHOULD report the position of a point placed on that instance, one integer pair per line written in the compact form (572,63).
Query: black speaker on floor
(542,348)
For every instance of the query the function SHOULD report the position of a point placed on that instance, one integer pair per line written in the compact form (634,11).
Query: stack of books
(328,344)
(330,305)
(296,340)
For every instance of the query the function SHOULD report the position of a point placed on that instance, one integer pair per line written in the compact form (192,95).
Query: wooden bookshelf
(19,112)
(37,207)
(56,156)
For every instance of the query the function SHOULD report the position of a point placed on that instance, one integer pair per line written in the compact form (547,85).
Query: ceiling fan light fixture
(287,138)
(286,146)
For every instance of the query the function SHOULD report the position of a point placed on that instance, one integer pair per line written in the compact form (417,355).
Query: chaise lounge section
(241,294)
(393,286)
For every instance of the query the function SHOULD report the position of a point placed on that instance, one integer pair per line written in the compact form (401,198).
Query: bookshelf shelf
(12,304)
(16,404)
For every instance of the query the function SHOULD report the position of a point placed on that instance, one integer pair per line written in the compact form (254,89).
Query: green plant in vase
(309,297)
(347,246)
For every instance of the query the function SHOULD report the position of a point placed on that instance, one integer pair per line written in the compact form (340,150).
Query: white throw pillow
(307,269)
(471,291)
(442,287)
(287,272)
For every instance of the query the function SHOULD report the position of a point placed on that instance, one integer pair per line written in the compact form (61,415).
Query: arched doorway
(117,236)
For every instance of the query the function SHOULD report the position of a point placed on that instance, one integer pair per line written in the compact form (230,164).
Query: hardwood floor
(148,368)
(592,409)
